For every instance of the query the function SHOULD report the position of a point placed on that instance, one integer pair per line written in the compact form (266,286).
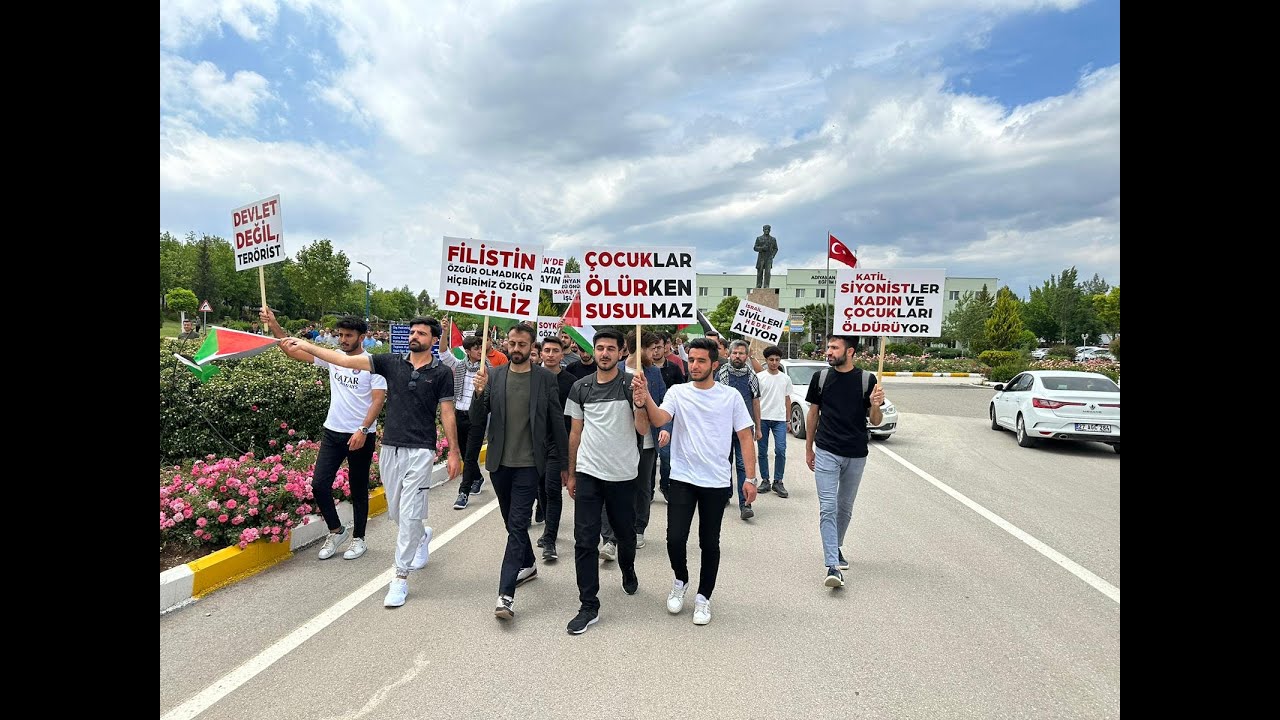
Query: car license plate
(1092,427)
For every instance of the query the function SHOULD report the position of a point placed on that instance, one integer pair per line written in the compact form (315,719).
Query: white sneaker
(675,600)
(609,551)
(701,611)
(356,550)
(333,542)
(423,554)
(396,594)
(639,540)
(525,575)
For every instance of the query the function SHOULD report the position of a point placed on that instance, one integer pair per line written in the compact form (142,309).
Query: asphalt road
(999,598)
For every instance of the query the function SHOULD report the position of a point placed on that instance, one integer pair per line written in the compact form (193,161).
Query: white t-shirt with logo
(774,390)
(350,395)
(703,425)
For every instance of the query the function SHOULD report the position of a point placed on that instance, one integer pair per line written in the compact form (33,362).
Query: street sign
(206,307)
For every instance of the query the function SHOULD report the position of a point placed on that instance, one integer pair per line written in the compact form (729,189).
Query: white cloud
(187,87)
(184,22)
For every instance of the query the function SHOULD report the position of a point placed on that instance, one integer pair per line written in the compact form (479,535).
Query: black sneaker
(583,620)
(747,512)
(461,502)
(764,487)
(630,583)
(475,489)
(844,564)
(541,541)
(834,578)
(780,490)
(549,552)
(503,610)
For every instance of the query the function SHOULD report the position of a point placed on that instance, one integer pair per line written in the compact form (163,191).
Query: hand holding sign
(639,391)
(482,379)
(877,396)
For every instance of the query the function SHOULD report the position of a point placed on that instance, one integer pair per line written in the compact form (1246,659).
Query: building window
(702,291)
(953,295)
(820,292)
(728,292)
(799,292)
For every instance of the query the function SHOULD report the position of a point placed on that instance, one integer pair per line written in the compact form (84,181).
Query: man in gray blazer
(526,427)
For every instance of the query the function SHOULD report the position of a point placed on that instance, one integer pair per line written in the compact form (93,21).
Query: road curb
(929,374)
(183,584)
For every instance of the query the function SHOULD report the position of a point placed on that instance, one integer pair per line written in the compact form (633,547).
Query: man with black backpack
(840,398)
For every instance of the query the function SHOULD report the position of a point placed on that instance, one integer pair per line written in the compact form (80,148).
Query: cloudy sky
(980,136)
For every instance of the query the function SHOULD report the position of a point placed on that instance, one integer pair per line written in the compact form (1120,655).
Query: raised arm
(333,357)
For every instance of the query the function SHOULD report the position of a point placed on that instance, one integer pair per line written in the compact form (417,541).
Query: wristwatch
(365,429)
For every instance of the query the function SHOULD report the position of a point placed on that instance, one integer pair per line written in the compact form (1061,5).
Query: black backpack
(866,384)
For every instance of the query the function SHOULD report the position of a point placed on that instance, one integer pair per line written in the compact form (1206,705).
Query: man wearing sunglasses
(416,384)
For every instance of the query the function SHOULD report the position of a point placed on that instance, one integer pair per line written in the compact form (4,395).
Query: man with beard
(842,401)
(416,384)
(704,414)
(551,498)
(604,454)
(350,432)
(521,405)
(739,376)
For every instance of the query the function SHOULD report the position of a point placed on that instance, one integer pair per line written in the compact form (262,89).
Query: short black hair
(555,340)
(609,334)
(351,322)
(773,350)
(712,348)
(850,342)
(471,342)
(712,333)
(431,323)
(525,328)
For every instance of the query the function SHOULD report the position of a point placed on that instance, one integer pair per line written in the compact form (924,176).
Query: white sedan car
(1058,405)
(801,372)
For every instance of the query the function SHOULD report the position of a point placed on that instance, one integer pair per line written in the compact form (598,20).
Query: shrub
(1062,351)
(1005,373)
(997,358)
(293,327)
(1027,340)
(903,349)
(946,353)
(1114,347)
(238,325)
(807,348)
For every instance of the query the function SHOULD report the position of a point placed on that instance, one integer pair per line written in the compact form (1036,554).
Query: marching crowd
(608,424)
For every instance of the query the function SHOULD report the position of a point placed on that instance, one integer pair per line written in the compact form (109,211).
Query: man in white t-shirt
(775,401)
(355,401)
(706,415)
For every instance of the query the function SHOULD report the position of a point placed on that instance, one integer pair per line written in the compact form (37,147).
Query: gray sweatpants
(406,473)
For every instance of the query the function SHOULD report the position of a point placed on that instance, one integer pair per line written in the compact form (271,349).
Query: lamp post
(367,271)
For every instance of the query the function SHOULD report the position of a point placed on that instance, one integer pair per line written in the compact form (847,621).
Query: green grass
(171,329)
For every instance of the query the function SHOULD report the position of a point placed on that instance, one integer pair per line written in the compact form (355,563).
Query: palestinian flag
(703,321)
(455,342)
(573,325)
(225,344)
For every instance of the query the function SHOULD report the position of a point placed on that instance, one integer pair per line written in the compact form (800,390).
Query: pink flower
(272,443)
(283,426)
(230,505)
(253,511)
(253,408)
(201,522)
(237,520)
(222,518)
(212,505)
(275,538)
(186,512)
(253,499)
(291,432)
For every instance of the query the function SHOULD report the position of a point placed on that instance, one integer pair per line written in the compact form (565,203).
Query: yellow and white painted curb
(184,583)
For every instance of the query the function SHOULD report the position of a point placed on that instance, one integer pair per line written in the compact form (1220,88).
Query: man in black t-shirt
(839,405)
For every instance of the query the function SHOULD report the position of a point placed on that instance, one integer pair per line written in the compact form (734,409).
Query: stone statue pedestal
(767,297)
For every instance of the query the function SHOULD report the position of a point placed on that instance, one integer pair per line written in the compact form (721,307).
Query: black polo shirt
(411,412)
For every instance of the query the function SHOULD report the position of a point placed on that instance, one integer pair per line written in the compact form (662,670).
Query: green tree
(571,265)
(170,262)
(426,306)
(546,306)
(205,281)
(181,300)
(1107,309)
(967,321)
(722,317)
(319,276)
(815,317)
(1060,311)
(1095,286)
(398,304)
(1004,328)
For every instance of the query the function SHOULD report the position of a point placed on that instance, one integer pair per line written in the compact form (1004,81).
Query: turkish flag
(837,250)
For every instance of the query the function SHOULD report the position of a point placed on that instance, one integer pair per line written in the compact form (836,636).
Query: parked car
(801,373)
(1085,351)
(1058,405)
(1039,353)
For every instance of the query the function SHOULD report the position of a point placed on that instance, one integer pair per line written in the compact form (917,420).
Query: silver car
(801,373)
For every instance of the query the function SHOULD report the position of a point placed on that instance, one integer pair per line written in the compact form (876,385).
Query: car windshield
(802,374)
(1079,384)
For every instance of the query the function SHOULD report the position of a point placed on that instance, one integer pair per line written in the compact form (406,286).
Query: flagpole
(826,311)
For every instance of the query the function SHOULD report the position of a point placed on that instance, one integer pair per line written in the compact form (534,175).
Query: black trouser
(551,496)
(644,496)
(333,450)
(710,504)
(618,501)
(516,489)
(469,443)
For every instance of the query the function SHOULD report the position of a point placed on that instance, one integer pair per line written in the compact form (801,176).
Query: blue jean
(778,429)
(837,479)
(741,468)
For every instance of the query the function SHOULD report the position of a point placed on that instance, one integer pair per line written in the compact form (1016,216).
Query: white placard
(548,326)
(645,287)
(568,289)
(889,302)
(757,321)
(257,234)
(490,278)
(552,275)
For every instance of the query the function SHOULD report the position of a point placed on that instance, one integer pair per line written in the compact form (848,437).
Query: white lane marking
(1073,567)
(228,683)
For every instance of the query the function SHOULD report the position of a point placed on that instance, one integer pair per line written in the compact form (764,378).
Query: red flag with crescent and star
(837,250)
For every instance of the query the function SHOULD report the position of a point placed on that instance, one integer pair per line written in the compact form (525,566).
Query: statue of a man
(766,248)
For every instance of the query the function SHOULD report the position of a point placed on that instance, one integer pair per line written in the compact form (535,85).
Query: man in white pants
(416,383)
